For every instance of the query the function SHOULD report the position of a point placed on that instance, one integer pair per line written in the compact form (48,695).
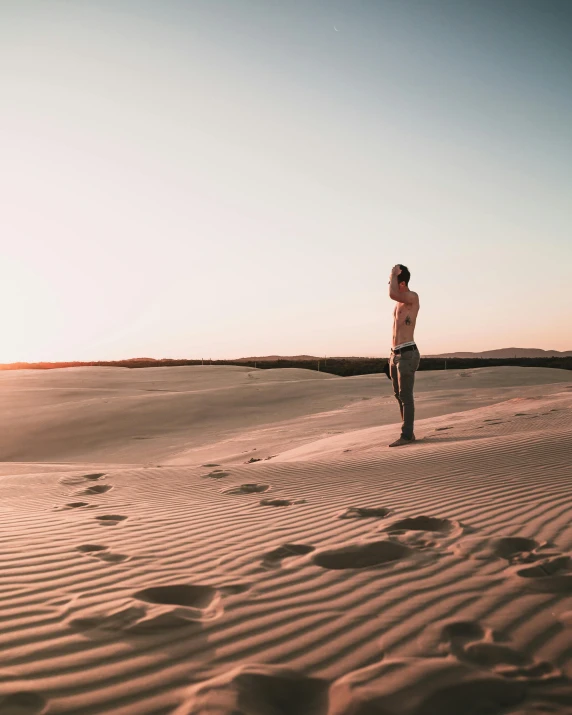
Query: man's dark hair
(404,275)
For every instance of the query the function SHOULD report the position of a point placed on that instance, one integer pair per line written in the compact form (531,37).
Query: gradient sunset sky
(221,178)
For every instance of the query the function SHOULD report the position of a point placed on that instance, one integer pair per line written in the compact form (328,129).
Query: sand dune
(180,414)
(147,566)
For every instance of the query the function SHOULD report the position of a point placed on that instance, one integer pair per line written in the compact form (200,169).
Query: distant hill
(507,353)
(500,353)
(273,358)
(295,358)
(342,366)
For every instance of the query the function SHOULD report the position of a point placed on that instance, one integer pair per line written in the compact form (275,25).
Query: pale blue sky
(219,178)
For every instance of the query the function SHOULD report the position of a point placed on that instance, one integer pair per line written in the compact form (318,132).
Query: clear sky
(222,178)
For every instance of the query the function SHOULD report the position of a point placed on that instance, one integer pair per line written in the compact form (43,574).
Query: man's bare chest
(404,314)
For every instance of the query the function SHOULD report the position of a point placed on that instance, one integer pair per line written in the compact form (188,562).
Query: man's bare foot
(401,441)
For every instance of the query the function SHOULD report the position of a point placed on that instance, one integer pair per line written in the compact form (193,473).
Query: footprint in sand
(274,558)
(281,502)
(540,566)
(462,632)
(110,519)
(519,548)
(449,636)
(549,575)
(180,594)
(422,523)
(440,429)
(507,662)
(119,618)
(252,488)
(423,686)
(22,703)
(95,489)
(210,465)
(514,549)
(177,605)
(154,609)
(261,689)
(102,553)
(426,533)
(365,512)
(112,558)
(75,480)
(232,589)
(90,548)
(217,474)
(359,556)
(470,642)
(72,505)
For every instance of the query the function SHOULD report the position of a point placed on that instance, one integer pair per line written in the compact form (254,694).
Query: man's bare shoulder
(409,297)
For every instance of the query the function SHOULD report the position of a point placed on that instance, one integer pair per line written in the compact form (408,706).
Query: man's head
(403,277)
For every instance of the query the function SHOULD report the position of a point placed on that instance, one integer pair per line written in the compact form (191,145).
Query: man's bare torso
(404,319)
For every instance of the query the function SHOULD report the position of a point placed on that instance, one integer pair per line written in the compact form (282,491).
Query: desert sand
(148,565)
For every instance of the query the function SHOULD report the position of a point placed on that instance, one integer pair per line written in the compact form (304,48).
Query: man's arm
(406,296)
(393,287)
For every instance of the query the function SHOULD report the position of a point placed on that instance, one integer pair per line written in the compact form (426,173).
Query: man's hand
(405,296)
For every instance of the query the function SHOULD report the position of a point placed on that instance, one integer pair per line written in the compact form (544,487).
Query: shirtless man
(405,356)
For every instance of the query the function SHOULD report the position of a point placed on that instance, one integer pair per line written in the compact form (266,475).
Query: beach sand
(148,566)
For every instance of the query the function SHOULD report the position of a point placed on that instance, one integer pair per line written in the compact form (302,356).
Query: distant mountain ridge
(340,365)
(507,353)
(272,358)
(499,353)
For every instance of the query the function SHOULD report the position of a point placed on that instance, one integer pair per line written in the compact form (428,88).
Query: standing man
(405,356)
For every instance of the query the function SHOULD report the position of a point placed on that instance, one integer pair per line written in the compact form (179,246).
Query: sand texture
(227,541)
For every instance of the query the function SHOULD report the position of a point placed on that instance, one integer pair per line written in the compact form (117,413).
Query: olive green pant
(402,369)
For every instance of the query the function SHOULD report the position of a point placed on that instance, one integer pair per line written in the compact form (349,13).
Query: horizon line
(300,356)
